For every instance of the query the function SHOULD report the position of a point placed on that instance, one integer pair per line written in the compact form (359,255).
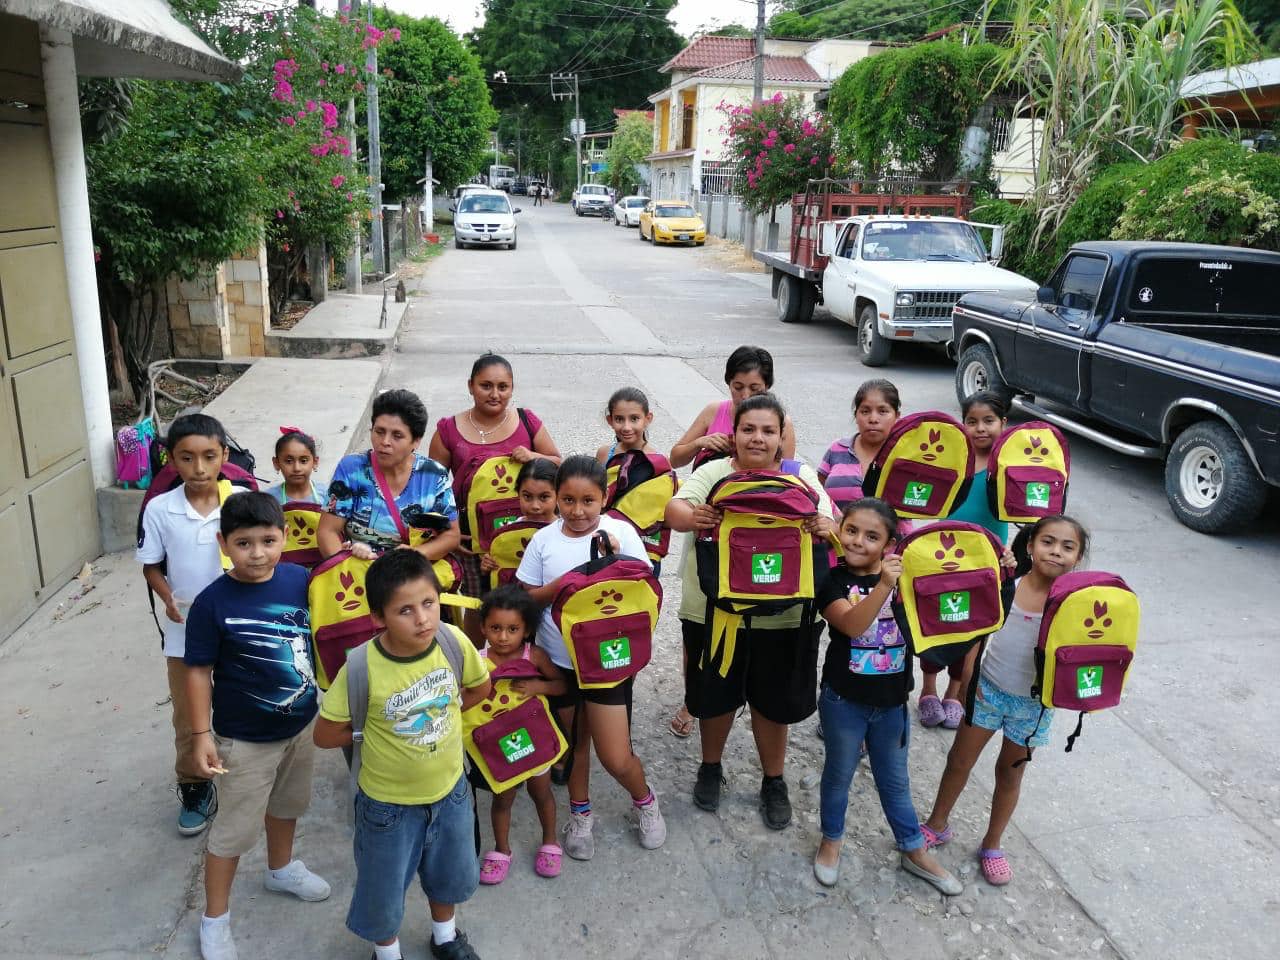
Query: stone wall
(224,313)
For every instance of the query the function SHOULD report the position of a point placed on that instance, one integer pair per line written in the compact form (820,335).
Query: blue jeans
(394,841)
(845,726)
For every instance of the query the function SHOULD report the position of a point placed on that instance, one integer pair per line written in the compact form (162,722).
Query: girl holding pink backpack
(1002,703)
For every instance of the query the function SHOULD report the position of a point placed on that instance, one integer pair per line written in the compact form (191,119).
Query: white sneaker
(653,829)
(577,840)
(216,942)
(299,881)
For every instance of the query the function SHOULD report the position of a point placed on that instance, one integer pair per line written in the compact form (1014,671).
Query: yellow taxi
(671,221)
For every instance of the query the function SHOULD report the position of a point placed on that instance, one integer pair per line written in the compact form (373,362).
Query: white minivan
(484,218)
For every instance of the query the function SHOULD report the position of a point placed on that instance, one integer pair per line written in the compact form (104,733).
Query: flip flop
(995,867)
(682,723)
(952,714)
(935,838)
(931,711)
(494,867)
(547,863)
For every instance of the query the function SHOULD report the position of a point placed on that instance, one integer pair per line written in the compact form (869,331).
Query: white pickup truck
(894,277)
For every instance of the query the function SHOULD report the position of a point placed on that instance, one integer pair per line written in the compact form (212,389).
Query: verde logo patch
(917,494)
(1038,495)
(954,607)
(1088,682)
(653,539)
(516,745)
(615,654)
(500,522)
(766,568)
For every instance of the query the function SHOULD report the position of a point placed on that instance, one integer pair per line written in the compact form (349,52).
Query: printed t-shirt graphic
(354,496)
(412,751)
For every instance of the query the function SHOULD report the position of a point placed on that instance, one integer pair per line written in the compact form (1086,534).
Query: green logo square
(954,607)
(917,494)
(516,745)
(615,654)
(1038,495)
(1088,682)
(500,522)
(766,568)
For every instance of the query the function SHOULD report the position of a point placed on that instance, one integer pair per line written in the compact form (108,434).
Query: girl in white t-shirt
(603,717)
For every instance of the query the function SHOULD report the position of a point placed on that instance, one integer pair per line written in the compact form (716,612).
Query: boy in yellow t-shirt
(413,805)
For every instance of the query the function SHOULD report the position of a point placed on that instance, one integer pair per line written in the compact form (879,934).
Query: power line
(890,23)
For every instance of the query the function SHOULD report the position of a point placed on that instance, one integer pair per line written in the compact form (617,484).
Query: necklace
(484,434)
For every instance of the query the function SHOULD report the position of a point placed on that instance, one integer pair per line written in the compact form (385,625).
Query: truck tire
(795,300)
(1210,481)
(976,371)
(873,349)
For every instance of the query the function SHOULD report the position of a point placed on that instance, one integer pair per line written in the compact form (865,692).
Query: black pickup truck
(1162,350)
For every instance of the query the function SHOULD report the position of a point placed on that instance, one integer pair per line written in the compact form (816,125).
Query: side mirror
(827,233)
(1045,295)
(516,210)
(453,208)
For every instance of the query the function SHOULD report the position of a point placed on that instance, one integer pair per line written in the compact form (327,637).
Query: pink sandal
(494,867)
(995,867)
(935,838)
(548,860)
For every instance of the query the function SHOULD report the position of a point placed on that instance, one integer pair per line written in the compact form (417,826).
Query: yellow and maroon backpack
(511,737)
(492,500)
(507,548)
(607,611)
(640,487)
(1027,473)
(301,521)
(924,467)
(949,591)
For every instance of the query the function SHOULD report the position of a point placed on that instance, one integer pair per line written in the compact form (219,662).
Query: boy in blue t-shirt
(248,658)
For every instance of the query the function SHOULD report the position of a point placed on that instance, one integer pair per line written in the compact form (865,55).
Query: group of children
(246,709)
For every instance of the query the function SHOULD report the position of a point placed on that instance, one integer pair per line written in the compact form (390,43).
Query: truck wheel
(977,371)
(1211,483)
(795,300)
(873,349)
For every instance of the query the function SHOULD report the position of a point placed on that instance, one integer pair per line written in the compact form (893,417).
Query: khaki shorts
(262,778)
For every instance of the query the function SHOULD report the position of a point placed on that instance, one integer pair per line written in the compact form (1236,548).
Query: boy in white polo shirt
(180,557)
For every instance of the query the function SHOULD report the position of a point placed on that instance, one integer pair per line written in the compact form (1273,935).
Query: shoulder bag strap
(385,491)
(357,704)
(523,414)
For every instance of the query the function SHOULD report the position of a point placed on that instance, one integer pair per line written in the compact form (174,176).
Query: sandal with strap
(547,863)
(494,867)
(935,838)
(995,868)
(952,714)
(682,723)
(931,711)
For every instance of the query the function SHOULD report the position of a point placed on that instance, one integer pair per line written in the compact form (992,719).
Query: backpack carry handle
(600,545)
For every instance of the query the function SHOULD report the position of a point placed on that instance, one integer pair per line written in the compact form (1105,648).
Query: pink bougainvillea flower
(330,113)
(279,214)
(789,148)
(340,68)
(349,197)
(301,114)
(338,181)
(312,106)
(285,248)
(394,33)
(813,162)
(324,65)
(288,121)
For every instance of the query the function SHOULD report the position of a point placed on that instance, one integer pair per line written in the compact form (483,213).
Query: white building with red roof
(688,149)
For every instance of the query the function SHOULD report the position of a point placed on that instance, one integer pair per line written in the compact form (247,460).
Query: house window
(686,127)
(1001,120)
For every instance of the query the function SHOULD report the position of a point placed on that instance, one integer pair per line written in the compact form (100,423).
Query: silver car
(485,218)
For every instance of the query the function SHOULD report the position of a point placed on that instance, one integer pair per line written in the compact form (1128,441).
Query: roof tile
(778,69)
(711,52)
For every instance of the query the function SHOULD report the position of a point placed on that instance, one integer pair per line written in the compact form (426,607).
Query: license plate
(684,236)
(486,239)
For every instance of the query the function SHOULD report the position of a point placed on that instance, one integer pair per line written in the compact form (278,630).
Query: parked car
(626,212)
(1162,350)
(590,198)
(895,277)
(520,186)
(671,221)
(485,217)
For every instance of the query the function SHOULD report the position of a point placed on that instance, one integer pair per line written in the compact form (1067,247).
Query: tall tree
(435,99)
(864,19)
(631,143)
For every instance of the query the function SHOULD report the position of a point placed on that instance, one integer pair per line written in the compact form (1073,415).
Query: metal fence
(720,179)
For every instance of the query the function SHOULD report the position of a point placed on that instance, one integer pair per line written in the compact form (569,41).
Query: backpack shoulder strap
(357,704)
(452,649)
(523,414)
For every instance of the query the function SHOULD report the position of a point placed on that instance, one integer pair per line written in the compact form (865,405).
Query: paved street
(1156,838)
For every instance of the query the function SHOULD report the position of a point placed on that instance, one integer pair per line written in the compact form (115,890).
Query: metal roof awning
(128,38)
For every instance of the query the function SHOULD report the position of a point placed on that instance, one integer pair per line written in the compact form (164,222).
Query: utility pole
(375,154)
(757,97)
(577,128)
(355,277)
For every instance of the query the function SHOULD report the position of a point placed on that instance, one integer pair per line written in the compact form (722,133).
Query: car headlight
(905,299)
(463,225)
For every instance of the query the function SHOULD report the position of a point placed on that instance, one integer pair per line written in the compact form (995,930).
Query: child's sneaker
(215,939)
(295,878)
(455,949)
(199,805)
(653,829)
(577,840)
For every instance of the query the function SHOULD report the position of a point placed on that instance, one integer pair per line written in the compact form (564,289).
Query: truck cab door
(839,280)
(1048,349)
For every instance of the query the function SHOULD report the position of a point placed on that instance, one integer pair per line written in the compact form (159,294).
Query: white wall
(709,118)
(831,58)
(1014,167)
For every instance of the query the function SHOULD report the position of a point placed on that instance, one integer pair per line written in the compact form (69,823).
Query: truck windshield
(921,240)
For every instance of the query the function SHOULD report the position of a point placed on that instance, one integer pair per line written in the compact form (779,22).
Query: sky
(689,16)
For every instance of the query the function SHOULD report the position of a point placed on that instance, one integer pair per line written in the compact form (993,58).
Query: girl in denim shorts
(1004,703)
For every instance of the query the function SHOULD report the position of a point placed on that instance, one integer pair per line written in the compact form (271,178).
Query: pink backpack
(133,454)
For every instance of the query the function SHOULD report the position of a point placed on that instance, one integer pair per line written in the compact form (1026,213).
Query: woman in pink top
(491,427)
(749,371)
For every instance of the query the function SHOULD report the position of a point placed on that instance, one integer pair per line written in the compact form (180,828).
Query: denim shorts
(1018,717)
(394,841)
